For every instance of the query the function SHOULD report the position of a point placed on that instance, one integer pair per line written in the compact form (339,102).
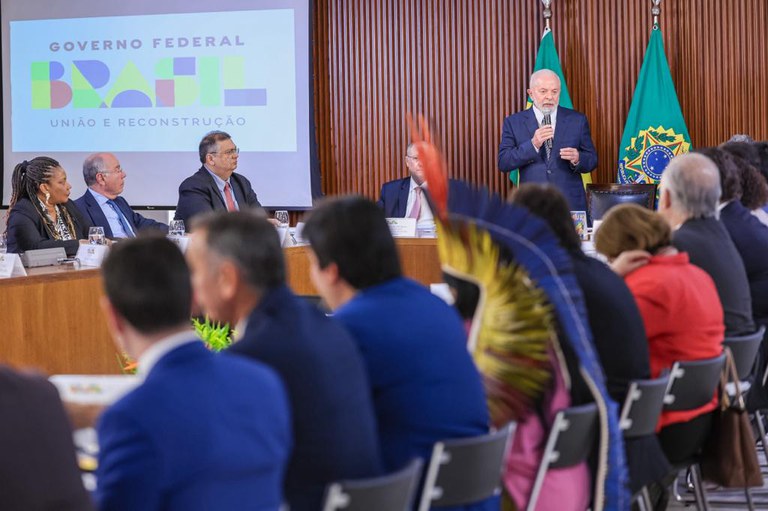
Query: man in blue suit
(102,204)
(549,143)
(424,383)
(239,277)
(204,431)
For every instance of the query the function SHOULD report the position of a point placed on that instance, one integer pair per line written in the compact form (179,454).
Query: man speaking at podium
(549,143)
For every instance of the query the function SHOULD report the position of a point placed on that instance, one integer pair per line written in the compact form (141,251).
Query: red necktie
(228,196)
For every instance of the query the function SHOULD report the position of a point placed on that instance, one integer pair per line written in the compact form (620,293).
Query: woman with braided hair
(41,214)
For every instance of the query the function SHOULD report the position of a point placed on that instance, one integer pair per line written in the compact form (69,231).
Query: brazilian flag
(655,131)
(547,58)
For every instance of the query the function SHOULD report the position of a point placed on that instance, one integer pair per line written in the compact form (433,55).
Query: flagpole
(547,14)
(656,10)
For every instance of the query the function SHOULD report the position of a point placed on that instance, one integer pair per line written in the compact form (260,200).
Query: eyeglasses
(118,170)
(229,152)
(414,158)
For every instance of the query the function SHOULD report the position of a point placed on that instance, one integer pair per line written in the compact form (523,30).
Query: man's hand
(571,154)
(541,135)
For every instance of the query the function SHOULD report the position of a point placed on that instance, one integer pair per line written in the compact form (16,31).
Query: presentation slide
(146,81)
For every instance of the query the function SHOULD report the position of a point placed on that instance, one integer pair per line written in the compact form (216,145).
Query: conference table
(51,320)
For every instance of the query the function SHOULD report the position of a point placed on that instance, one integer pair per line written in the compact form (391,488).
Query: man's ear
(332,274)
(228,280)
(115,322)
(665,201)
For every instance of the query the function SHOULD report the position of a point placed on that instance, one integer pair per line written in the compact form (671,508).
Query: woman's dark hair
(549,204)
(748,164)
(25,183)
(730,184)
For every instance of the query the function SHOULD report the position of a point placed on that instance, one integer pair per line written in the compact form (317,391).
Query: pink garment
(566,489)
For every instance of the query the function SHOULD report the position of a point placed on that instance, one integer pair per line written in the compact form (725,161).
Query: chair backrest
(692,383)
(392,492)
(642,407)
(465,470)
(602,197)
(744,351)
(570,441)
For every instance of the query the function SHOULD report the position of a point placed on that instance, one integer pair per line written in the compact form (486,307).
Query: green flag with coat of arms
(655,130)
(547,58)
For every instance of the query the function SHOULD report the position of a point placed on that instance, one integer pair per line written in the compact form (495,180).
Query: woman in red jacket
(678,301)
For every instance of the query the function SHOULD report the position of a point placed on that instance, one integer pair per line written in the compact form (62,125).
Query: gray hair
(693,182)
(542,73)
(92,165)
(249,241)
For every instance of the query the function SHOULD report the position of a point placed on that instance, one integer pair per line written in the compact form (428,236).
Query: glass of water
(282,218)
(96,235)
(176,228)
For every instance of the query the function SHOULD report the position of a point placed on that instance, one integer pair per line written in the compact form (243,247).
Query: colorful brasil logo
(178,82)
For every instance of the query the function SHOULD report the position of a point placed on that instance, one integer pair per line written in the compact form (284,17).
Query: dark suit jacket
(333,419)
(516,151)
(751,239)
(393,199)
(199,193)
(26,230)
(89,207)
(204,431)
(38,470)
(710,247)
(619,336)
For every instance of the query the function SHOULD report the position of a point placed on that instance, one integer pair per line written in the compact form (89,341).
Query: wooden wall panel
(464,64)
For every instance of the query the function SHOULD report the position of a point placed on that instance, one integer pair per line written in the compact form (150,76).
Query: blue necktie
(123,222)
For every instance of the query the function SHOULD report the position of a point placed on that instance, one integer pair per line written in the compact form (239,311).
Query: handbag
(729,456)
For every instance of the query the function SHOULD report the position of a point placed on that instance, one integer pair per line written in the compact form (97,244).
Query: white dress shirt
(158,350)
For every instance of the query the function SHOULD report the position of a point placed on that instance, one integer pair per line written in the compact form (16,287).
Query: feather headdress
(527,287)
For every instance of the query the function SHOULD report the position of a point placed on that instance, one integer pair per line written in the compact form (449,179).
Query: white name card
(181,242)
(10,266)
(94,389)
(92,255)
(402,227)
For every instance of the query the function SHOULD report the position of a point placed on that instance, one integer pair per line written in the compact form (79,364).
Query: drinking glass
(3,243)
(282,218)
(96,235)
(176,228)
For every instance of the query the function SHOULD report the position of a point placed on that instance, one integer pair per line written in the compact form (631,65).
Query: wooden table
(418,257)
(51,320)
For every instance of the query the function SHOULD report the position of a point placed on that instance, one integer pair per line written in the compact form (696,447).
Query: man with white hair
(690,193)
(549,143)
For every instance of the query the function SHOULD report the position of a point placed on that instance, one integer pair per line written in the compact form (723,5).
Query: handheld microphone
(547,121)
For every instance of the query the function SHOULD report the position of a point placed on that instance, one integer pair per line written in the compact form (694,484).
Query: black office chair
(744,351)
(692,384)
(392,492)
(639,416)
(570,441)
(602,197)
(465,470)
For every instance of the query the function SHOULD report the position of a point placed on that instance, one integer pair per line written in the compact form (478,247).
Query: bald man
(102,204)
(549,143)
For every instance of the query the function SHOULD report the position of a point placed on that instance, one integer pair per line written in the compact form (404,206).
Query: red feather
(433,164)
